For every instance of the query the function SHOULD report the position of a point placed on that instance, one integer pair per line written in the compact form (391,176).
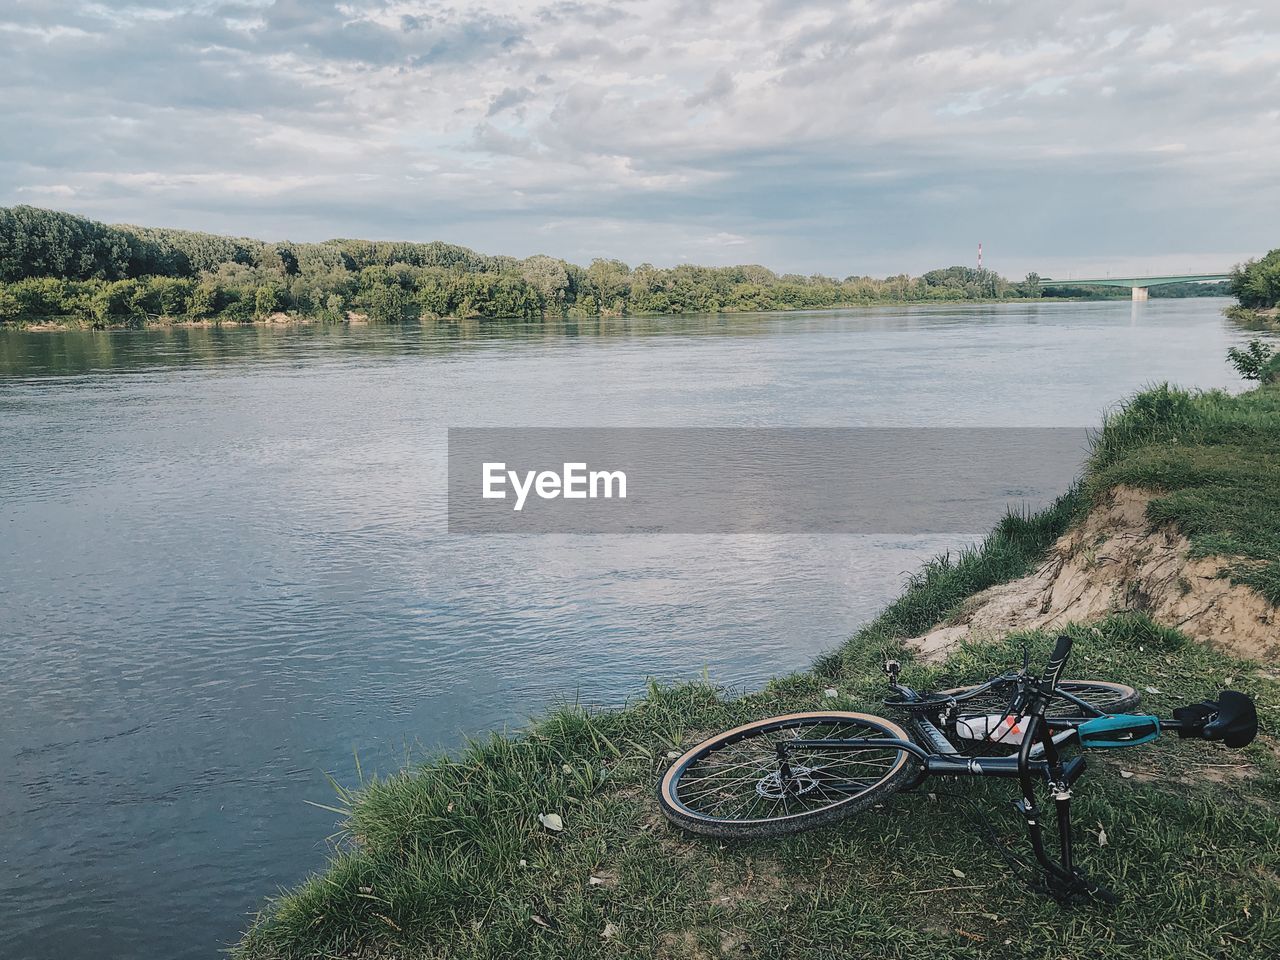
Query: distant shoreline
(355,318)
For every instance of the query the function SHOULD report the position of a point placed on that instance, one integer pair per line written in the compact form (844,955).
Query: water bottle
(993,727)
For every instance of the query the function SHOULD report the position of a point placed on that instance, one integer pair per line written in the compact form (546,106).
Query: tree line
(61,268)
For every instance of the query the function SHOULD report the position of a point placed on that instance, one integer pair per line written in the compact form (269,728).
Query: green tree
(10,311)
(1256,283)
(204,301)
(608,284)
(387,303)
(335,306)
(549,278)
(39,297)
(267,300)
(173,294)
(115,302)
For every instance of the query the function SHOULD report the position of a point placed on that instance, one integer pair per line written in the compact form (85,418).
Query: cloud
(49,192)
(866,137)
(723,239)
(717,89)
(508,98)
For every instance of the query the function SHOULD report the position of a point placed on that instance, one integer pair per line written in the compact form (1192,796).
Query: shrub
(1252,360)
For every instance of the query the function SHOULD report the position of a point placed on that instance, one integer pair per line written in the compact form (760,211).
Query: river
(224,571)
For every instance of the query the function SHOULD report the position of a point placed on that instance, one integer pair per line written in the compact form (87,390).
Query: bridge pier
(1140,293)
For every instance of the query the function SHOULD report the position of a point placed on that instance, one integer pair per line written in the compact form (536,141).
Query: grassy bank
(1262,319)
(450,859)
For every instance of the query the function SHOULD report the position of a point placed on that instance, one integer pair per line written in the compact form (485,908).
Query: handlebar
(1057,662)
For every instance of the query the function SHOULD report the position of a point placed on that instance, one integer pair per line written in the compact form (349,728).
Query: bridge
(1139,285)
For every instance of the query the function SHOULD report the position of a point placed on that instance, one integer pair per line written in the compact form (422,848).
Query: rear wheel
(734,784)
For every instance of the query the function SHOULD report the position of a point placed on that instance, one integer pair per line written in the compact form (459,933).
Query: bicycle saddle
(1232,718)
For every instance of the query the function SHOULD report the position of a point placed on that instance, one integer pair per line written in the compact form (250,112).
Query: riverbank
(1261,319)
(451,859)
(354,318)
(170,323)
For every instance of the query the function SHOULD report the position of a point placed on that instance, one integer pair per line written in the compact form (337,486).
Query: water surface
(225,572)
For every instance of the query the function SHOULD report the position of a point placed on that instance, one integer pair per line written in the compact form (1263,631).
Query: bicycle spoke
(742,780)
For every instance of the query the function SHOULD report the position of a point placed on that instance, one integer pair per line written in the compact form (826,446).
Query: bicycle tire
(1111,698)
(690,780)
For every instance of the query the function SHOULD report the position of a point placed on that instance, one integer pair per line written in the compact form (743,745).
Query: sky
(1071,137)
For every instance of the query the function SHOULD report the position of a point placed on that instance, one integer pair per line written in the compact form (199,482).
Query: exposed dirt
(684,944)
(1116,561)
(762,882)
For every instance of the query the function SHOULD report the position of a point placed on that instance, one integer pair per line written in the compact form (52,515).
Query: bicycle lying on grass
(795,772)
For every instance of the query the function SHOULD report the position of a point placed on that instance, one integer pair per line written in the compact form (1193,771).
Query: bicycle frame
(940,764)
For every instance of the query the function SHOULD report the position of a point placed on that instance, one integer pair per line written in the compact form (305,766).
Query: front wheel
(735,784)
(1071,700)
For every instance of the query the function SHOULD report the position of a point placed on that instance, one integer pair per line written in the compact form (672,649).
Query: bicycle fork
(1064,881)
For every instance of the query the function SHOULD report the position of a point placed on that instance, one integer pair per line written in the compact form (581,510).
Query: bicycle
(798,771)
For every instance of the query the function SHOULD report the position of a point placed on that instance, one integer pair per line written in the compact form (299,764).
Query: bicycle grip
(1057,662)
